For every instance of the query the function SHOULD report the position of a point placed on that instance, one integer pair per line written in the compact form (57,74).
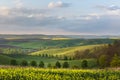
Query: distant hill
(52,43)
(42,36)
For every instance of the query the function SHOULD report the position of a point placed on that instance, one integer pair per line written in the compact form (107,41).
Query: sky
(60,17)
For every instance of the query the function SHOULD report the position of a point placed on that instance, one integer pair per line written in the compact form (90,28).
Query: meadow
(69,51)
(19,73)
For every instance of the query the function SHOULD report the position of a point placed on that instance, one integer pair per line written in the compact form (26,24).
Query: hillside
(64,51)
(4,59)
(52,43)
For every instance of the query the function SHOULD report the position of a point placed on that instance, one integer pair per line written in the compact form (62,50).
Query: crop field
(57,74)
(65,51)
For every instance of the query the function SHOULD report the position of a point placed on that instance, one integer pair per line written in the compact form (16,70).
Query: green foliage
(84,64)
(41,64)
(49,65)
(103,61)
(75,67)
(13,62)
(33,63)
(65,65)
(24,63)
(57,64)
(65,58)
(115,61)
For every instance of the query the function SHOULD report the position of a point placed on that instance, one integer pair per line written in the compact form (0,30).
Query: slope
(4,59)
(64,51)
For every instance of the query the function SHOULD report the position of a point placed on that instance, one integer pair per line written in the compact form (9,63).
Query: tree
(115,61)
(24,63)
(57,65)
(103,61)
(77,54)
(75,67)
(65,58)
(84,64)
(49,65)
(65,65)
(13,62)
(33,63)
(41,64)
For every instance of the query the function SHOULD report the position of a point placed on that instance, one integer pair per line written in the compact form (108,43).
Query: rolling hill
(64,51)
(4,59)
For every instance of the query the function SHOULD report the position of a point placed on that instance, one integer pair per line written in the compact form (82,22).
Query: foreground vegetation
(19,73)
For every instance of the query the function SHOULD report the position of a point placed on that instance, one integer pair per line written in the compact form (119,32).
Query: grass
(5,59)
(56,43)
(91,62)
(64,51)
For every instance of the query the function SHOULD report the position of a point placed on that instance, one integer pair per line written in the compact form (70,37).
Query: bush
(103,61)
(75,67)
(49,65)
(13,62)
(24,63)
(115,61)
(41,64)
(33,63)
(65,65)
(84,64)
(65,58)
(58,65)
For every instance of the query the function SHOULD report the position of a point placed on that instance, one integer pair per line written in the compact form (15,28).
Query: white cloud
(4,11)
(18,3)
(32,20)
(110,10)
(58,4)
(111,7)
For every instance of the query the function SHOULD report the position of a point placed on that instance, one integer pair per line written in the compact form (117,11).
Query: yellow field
(64,51)
(18,73)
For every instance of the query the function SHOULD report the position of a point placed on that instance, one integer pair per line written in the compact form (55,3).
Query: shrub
(33,63)
(65,65)
(24,63)
(84,64)
(13,62)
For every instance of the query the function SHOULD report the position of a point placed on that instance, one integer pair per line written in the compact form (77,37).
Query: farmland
(19,73)
(62,58)
(64,51)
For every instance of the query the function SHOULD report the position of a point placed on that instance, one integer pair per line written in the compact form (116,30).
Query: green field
(4,59)
(56,49)
(65,51)
(18,73)
(91,62)
(51,44)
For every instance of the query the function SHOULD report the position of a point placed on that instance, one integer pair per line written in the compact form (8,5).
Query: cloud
(6,11)
(18,3)
(111,8)
(31,20)
(23,17)
(58,4)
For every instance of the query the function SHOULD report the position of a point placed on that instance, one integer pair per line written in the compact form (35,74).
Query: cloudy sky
(101,17)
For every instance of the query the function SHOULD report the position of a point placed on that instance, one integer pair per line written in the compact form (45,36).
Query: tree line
(24,63)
